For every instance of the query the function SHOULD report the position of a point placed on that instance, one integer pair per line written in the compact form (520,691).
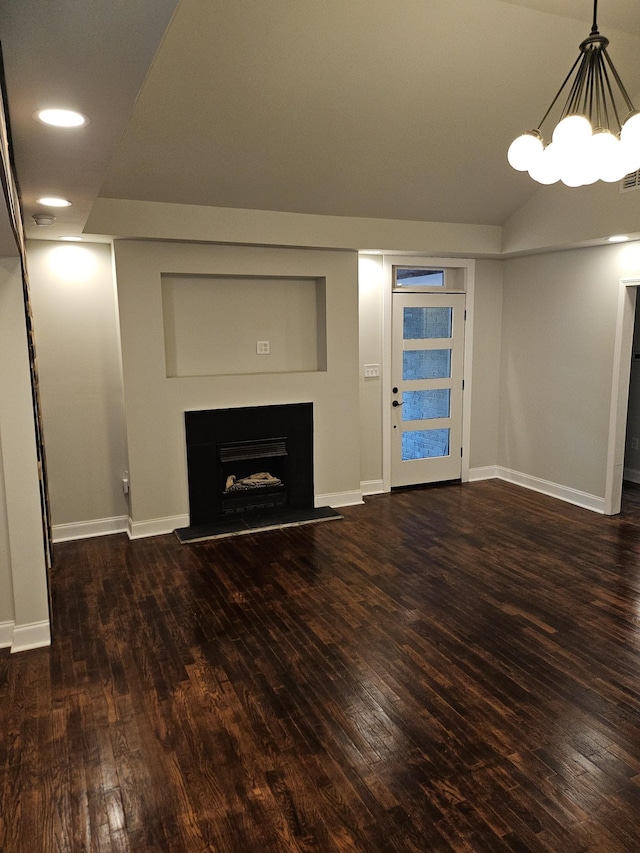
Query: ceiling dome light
(61,118)
(43,219)
(597,98)
(52,201)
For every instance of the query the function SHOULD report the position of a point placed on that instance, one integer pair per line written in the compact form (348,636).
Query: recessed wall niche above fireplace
(250,468)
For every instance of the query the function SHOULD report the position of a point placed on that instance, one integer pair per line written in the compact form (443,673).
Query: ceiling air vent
(630,182)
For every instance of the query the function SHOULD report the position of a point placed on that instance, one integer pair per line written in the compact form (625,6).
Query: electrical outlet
(263,347)
(371,370)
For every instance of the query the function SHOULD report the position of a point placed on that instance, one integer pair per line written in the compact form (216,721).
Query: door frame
(625,320)
(468,265)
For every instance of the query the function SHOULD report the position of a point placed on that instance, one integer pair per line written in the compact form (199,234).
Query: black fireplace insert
(249,467)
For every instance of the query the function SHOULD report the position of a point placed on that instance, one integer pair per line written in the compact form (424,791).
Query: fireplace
(249,468)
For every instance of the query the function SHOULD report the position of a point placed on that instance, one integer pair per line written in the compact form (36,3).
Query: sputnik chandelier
(589,143)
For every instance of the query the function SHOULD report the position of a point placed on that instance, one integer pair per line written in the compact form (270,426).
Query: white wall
(487,340)
(24,613)
(155,404)
(77,339)
(371,293)
(559,315)
(6,586)
(558,216)
(162,221)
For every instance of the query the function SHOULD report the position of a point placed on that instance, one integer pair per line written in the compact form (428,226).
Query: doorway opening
(625,322)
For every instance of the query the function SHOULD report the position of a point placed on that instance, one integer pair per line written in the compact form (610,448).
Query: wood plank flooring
(446,669)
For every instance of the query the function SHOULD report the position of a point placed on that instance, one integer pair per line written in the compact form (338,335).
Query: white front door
(426,400)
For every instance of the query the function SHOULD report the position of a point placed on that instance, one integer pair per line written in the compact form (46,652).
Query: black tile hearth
(255,523)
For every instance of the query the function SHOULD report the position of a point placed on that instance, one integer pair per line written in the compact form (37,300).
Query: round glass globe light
(630,155)
(571,179)
(614,171)
(523,150)
(631,129)
(545,169)
(630,141)
(606,151)
(571,130)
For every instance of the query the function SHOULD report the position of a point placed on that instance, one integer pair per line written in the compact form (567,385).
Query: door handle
(395,404)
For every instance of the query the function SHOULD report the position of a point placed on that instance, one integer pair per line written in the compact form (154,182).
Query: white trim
(488,472)
(387,350)
(372,487)
(6,634)
(33,636)
(554,490)
(155,526)
(337,499)
(388,262)
(620,393)
(470,290)
(632,475)
(87,529)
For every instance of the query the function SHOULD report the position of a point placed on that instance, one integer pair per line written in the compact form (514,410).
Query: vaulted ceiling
(369,108)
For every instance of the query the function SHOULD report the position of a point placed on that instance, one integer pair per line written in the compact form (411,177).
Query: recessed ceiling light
(618,238)
(61,118)
(52,201)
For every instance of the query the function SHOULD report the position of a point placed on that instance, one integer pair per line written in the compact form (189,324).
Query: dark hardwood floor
(447,669)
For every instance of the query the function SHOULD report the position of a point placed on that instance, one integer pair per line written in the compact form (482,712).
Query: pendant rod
(616,76)
(553,102)
(577,88)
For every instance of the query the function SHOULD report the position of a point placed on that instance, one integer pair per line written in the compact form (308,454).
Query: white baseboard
(87,529)
(489,472)
(372,487)
(156,526)
(33,636)
(6,634)
(554,490)
(545,487)
(338,499)
(631,475)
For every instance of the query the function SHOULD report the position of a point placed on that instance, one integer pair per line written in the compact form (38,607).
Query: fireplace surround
(249,468)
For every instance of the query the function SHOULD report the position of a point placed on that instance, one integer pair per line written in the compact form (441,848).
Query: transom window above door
(419,279)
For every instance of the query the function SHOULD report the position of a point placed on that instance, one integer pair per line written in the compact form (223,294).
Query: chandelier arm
(616,76)
(605,76)
(553,102)
(573,101)
(601,101)
(593,95)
